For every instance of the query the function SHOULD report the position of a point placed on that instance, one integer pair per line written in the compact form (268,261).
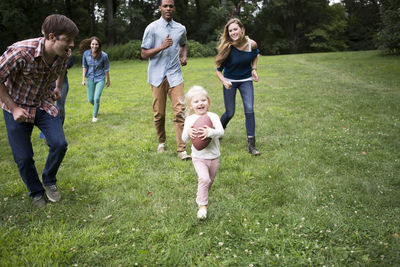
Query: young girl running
(206,160)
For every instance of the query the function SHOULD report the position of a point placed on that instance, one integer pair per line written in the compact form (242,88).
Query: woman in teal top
(96,68)
(237,59)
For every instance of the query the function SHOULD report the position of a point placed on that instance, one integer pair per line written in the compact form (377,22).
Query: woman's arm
(254,69)
(107,78)
(254,63)
(227,84)
(83,76)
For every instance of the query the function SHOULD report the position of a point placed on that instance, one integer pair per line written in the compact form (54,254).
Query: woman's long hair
(85,45)
(224,47)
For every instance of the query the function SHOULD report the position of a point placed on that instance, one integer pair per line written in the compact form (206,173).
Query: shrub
(196,49)
(131,50)
(128,51)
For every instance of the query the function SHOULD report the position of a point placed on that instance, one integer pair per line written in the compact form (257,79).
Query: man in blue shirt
(164,40)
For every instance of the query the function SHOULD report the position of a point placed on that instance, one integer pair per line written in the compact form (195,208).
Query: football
(199,123)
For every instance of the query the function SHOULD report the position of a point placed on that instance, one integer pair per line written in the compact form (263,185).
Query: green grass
(325,190)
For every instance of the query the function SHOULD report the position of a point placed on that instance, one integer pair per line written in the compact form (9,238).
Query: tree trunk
(110,36)
(92,18)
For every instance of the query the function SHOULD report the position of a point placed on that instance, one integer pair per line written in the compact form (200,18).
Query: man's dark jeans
(19,137)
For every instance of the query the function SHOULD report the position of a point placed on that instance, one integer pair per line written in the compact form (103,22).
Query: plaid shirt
(28,78)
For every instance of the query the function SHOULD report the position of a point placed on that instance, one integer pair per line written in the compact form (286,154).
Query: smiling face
(63,45)
(94,46)
(200,104)
(235,32)
(167,9)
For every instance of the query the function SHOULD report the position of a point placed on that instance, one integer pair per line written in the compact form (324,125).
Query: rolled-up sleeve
(106,63)
(148,39)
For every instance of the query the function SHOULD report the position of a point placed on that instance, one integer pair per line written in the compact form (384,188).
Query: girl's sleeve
(84,62)
(218,130)
(106,63)
(185,136)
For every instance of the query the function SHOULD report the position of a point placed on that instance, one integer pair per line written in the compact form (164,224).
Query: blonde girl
(205,161)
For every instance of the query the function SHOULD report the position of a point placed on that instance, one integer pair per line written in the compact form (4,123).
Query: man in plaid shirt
(27,70)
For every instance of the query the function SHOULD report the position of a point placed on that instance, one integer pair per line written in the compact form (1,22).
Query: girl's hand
(254,75)
(203,132)
(83,83)
(227,84)
(191,132)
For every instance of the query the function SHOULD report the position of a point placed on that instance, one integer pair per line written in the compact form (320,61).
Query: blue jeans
(19,137)
(61,102)
(247,92)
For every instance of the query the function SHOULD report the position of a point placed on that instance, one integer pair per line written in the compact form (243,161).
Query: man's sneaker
(161,148)
(52,193)
(39,201)
(183,155)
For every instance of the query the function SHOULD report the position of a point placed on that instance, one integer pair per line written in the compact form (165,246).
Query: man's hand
(183,61)
(20,114)
(167,42)
(56,94)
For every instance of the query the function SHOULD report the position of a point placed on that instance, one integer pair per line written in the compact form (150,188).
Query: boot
(252,146)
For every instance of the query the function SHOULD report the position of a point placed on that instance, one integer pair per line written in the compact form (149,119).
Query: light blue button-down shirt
(165,63)
(96,68)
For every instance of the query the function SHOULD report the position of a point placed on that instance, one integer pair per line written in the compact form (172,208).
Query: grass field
(324,192)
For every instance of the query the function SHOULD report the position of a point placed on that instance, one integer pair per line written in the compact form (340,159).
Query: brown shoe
(184,156)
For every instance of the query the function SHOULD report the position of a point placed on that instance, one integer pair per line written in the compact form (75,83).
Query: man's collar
(39,50)
(164,22)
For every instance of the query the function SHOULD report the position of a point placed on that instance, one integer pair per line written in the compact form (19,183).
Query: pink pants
(206,170)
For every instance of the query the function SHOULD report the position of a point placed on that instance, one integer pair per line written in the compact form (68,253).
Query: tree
(22,19)
(389,35)
(282,25)
(330,35)
(363,23)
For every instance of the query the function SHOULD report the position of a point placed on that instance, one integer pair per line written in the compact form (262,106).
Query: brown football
(199,123)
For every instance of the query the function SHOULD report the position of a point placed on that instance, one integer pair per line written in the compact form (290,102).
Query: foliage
(132,49)
(330,36)
(389,35)
(363,23)
(196,49)
(283,25)
(325,190)
(278,26)
(22,19)
(128,51)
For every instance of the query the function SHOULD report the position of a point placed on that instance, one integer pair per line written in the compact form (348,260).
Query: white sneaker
(202,213)
(94,119)
(183,155)
(161,148)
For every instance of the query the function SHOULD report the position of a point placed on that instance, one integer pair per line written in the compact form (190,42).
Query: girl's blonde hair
(194,90)
(225,43)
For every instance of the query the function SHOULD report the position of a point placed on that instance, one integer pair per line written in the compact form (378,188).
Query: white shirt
(212,150)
